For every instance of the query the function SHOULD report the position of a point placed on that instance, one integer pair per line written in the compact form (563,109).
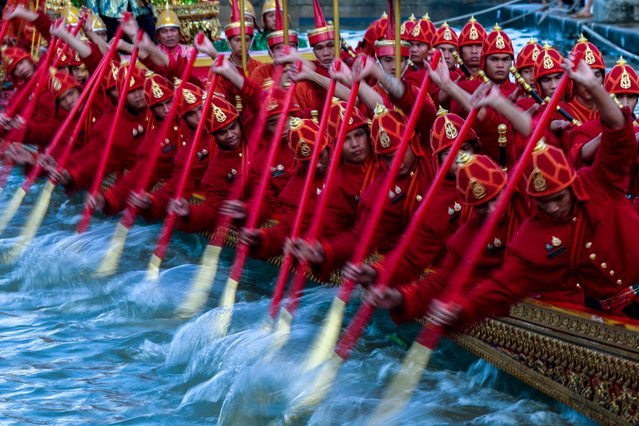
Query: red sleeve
(42,23)
(428,112)
(93,60)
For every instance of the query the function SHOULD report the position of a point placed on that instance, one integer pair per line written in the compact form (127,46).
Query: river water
(80,350)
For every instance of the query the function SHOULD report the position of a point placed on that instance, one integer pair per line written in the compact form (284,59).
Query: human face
(23,70)
(269,20)
(497,67)
(271,127)
(418,51)
(356,146)
(192,118)
(627,100)
(161,110)
(325,52)
(135,99)
(388,64)
(68,99)
(558,205)
(322,162)
(235,43)
(447,53)
(169,37)
(528,75)
(102,35)
(229,137)
(470,55)
(467,146)
(407,162)
(549,84)
(79,73)
(277,51)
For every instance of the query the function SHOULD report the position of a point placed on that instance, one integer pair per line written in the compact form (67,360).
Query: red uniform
(596,249)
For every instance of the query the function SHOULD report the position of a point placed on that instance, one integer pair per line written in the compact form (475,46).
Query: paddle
(230,289)
(97,180)
(325,342)
(89,93)
(287,263)
(153,269)
(199,290)
(401,387)
(109,263)
(286,315)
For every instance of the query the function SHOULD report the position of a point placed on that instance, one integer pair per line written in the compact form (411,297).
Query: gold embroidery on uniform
(156,90)
(625,80)
(190,99)
(548,64)
(477,189)
(295,123)
(539,182)
(384,139)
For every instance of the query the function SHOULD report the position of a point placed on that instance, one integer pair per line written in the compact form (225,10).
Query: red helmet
(479,179)
(496,43)
(622,79)
(445,35)
(549,172)
(472,33)
(157,89)
(528,55)
(592,55)
(301,138)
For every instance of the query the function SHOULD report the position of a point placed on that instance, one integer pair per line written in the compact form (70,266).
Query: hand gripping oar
(153,269)
(111,260)
(89,93)
(401,387)
(287,262)
(324,343)
(299,278)
(200,288)
(97,180)
(228,297)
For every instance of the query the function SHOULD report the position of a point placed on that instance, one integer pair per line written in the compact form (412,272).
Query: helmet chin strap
(403,71)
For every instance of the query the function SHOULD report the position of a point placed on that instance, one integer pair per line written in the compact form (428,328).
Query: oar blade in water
(317,391)
(33,223)
(200,288)
(401,387)
(111,260)
(221,326)
(282,332)
(12,208)
(153,269)
(324,344)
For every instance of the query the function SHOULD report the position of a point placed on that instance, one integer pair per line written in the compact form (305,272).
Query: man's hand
(95,203)
(365,67)
(387,298)
(440,75)
(17,153)
(558,126)
(20,12)
(130,28)
(360,273)
(205,47)
(179,207)
(140,200)
(344,75)
(58,29)
(444,314)
(234,208)
(582,74)
(304,251)
(250,237)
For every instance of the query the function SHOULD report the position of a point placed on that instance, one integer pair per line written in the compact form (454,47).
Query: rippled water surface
(77,349)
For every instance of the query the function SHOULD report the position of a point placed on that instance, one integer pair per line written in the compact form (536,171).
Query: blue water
(80,350)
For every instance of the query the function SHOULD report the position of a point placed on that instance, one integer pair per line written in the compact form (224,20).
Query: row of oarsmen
(552,242)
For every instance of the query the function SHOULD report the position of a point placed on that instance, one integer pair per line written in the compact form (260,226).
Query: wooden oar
(111,260)
(228,297)
(97,180)
(325,341)
(200,288)
(153,269)
(39,210)
(401,387)
(299,278)
(287,262)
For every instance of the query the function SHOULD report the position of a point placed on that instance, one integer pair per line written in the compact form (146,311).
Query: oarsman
(377,30)
(153,204)
(469,46)
(82,165)
(582,233)
(525,62)
(269,242)
(268,26)
(479,181)
(406,192)
(419,34)
(159,95)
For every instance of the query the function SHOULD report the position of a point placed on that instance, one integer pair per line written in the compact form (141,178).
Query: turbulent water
(75,349)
